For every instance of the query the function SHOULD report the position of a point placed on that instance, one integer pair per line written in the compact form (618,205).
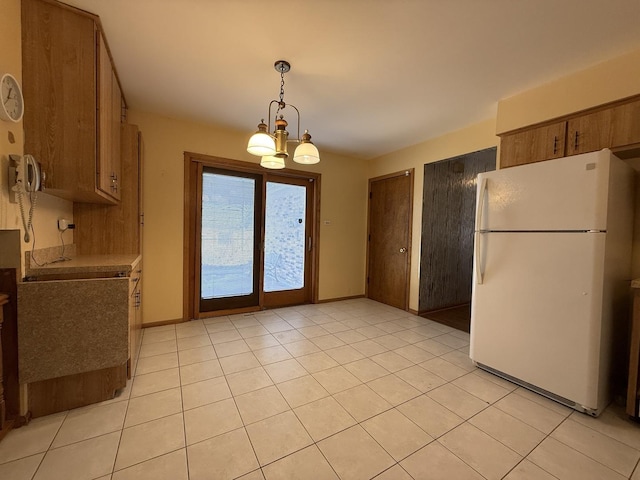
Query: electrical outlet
(63,224)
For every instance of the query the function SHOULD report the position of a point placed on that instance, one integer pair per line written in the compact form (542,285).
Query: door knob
(403,250)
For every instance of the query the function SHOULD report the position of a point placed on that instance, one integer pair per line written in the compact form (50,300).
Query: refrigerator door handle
(479,231)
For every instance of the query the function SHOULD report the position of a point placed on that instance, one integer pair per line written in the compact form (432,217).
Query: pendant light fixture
(272,147)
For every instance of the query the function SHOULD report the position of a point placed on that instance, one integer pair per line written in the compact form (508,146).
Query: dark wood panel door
(389,240)
(448,218)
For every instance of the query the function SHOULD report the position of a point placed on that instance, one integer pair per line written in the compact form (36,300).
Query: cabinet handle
(114,188)
(555,144)
(575,140)
(114,177)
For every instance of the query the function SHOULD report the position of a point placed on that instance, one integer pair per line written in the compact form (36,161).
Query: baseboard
(162,323)
(340,299)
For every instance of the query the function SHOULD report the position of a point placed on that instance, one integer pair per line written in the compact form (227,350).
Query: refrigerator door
(563,194)
(537,315)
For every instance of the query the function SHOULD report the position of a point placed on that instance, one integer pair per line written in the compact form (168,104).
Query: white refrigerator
(552,266)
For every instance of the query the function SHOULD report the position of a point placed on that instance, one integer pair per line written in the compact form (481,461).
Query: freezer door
(537,314)
(563,194)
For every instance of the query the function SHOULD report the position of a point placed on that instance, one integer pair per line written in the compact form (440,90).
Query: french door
(251,237)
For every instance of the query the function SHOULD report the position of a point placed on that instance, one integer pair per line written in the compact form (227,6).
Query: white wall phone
(24,179)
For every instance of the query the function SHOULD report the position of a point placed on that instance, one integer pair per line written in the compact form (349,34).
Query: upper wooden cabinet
(73,102)
(614,126)
(533,145)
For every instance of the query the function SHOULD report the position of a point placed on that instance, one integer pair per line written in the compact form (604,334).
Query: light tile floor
(344,390)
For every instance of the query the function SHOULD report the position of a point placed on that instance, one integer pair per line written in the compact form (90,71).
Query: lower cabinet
(78,339)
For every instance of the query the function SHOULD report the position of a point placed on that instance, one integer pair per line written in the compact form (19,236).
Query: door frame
(410,172)
(193,166)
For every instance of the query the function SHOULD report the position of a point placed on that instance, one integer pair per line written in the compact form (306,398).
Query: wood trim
(339,299)
(162,323)
(193,164)
(572,115)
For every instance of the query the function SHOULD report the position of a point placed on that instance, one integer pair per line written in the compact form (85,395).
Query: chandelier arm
(298,112)
(269,121)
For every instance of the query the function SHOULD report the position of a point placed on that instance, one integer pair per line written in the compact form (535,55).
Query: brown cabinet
(533,145)
(135,317)
(115,229)
(614,126)
(72,102)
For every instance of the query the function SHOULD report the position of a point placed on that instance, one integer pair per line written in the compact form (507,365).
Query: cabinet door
(534,145)
(107,163)
(589,133)
(625,124)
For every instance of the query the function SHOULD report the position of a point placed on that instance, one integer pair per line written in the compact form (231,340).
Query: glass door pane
(229,239)
(285,237)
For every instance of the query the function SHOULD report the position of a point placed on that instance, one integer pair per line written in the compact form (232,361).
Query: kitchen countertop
(86,264)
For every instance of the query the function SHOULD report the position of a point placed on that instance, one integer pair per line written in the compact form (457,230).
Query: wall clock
(12,107)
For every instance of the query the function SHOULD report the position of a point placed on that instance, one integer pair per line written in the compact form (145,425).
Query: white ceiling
(368,76)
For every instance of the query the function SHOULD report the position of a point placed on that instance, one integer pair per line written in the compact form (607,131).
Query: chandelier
(272,147)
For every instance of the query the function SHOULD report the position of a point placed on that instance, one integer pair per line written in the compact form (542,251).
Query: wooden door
(533,145)
(389,238)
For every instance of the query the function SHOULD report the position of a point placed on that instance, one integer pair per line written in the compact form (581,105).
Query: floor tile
(344,354)
(159,348)
(526,470)
(260,404)
(197,372)
(195,355)
(156,337)
(153,406)
(317,362)
(371,332)
(452,341)
(481,452)
(611,453)
(255,331)
(460,359)
(190,329)
(305,464)
(219,327)
(529,412)
(201,393)
(434,462)
(21,469)
(363,459)
(272,354)
(566,463)
(398,435)
(366,370)
(226,456)
(264,341)
(278,436)
(429,415)
(414,354)
(539,399)
(457,400)
(248,380)
(393,389)
(335,327)
(245,321)
(84,460)
(172,465)
(325,342)
(275,327)
(350,337)
(285,370)
(302,347)
(391,361)
(409,336)
(362,402)
(443,369)
(433,347)
(302,390)
(135,445)
(36,437)
(288,337)
(323,418)
(390,341)
(420,378)
(88,422)
(313,331)
(155,382)
(508,430)
(614,423)
(231,348)
(194,342)
(157,363)
(336,379)
(211,420)
(238,363)
(225,336)
(369,347)
(481,388)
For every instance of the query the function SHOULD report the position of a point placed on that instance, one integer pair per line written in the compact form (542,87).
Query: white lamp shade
(275,163)
(306,153)
(261,144)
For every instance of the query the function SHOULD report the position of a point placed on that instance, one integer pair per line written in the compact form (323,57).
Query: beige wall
(48,208)
(470,139)
(343,205)
(605,82)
